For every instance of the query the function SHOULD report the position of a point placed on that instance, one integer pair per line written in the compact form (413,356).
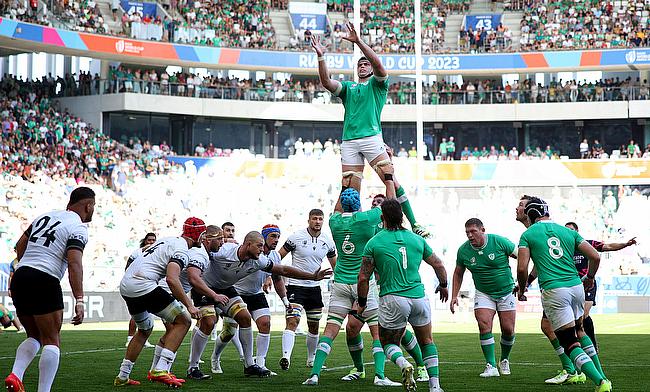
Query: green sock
(430,352)
(411,345)
(355,346)
(406,205)
(506,346)
(380,359)
(584,363)
(324,348)
(395,354)
(487,345)
(567,364)
(589,349)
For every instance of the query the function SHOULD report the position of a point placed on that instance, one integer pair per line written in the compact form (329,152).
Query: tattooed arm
(366,271)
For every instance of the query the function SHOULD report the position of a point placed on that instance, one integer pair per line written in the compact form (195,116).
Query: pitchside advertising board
(52,40)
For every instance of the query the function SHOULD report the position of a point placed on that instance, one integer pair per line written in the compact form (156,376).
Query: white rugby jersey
(134,255)
(49,238)
(225,269)
(252,284)
(145,272)
(308,253)
(198,257)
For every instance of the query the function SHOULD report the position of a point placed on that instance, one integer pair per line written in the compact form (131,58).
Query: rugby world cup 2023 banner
(41,38)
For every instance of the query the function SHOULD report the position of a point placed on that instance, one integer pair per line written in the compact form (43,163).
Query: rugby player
(145,242)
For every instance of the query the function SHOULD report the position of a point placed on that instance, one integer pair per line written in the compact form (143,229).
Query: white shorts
(354,151)
(343,296)
(396,311)
(563,305)
(503,304)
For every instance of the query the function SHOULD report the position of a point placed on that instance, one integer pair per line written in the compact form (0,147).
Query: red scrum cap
(193,228)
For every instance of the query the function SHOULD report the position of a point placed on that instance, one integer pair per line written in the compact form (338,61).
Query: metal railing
(397,95)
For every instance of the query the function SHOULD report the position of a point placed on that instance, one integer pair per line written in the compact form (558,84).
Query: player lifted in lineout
(362,134)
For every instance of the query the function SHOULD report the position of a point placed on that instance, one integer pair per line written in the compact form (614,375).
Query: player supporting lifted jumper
(363,102)
(351,230)
(551,247)
(396,254)
(486,257)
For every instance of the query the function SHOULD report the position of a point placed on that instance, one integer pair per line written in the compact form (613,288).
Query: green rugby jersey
(351,232)
(552,247)
(363,104)
(489,265)
(397,255)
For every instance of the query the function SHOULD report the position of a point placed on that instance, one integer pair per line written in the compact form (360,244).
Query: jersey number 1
(402,250)
(48,234)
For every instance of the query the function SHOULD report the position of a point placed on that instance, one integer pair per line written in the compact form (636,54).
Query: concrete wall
(90,108)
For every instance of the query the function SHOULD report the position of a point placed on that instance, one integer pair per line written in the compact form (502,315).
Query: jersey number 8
(554,248)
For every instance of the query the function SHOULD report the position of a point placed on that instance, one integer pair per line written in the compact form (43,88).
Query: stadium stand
(387,26)
(39,141)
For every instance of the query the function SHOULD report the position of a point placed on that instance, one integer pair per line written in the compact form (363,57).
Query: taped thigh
(314,315)
(144,321)
(295,311)
(173,310)
(236,308)
(352,173)
(207,311)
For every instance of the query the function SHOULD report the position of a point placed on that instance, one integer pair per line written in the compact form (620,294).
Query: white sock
(402,362)
(47,367)
(246,339)
(263,343)
(25,354)
(312,343)
(199,341)
(237,343)
(125,369)
(219,345)
(166,360)
(156,356)
(288,339)
(434,382)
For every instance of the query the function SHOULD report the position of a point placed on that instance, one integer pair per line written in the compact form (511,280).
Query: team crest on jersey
(472,261)
(491,256)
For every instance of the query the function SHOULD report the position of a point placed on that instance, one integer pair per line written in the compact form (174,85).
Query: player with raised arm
(486,257)
(308,248)
(351,230)
(363,102)
(144,297)
(52,244)
(395,254)
(145,242)
(551,247)
(229,265)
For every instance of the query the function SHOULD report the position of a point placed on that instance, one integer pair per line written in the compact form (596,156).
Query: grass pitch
(90,360)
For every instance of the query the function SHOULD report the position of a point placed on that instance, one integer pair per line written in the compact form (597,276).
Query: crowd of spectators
(81,15)
(388,26)
(487,91)
(233,23)
(563,24)
(486,40)
(40,141)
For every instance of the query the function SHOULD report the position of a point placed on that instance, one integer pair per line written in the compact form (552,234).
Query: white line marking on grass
(640,365)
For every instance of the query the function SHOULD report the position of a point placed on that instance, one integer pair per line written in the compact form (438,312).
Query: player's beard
(369,74)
